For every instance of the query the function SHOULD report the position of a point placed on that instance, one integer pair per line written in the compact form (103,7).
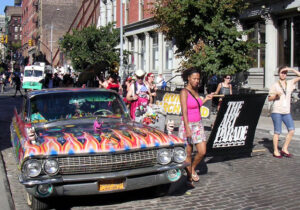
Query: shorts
(285,118)
(197,129)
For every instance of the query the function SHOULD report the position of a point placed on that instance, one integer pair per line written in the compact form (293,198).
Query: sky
(4,3)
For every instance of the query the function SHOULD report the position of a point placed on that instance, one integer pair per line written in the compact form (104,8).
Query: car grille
(107,163)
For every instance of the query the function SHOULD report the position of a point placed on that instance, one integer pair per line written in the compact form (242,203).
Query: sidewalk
(265,123)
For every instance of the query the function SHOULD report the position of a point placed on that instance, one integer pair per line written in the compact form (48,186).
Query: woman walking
(191,128)
(280,94)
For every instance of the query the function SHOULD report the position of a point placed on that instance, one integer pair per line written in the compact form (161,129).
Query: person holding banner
(224,88)
(280,93)
(191,128)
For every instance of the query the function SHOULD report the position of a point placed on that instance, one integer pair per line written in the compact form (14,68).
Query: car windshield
(71,105)
(33,73)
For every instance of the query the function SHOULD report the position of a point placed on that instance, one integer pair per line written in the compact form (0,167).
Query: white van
(33,75)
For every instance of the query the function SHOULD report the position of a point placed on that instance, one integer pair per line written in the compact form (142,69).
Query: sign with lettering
(235,125)
(170,102)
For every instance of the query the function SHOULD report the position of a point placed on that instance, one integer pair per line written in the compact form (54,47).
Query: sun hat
(140,73)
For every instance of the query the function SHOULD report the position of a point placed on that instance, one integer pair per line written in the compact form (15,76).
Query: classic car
(72,142)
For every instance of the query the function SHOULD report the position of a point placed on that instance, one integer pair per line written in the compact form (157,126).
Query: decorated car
(71,142)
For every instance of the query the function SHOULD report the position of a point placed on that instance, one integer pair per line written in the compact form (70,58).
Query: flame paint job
(76,139)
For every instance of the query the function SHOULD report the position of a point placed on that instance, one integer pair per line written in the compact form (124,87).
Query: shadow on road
(177,189)
(7,105)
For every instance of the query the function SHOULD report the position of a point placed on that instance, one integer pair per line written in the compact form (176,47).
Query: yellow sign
(171,105)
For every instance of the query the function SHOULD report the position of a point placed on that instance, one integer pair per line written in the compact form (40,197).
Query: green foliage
(15,46)
(92,46)
(205,33)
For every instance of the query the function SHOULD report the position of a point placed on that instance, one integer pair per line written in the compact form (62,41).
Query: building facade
(2,33)
(44,23)
(149,49)
(13,19)
(276,26)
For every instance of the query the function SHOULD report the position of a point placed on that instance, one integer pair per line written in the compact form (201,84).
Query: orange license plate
(111,185)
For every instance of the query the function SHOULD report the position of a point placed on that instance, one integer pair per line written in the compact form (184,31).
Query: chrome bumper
(97,176)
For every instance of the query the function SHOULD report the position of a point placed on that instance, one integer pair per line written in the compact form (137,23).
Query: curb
(10,204)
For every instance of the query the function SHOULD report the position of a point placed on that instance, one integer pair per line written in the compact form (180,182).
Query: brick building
(2,33)
(45,22)
(13,30)
(150,51)
(13,16)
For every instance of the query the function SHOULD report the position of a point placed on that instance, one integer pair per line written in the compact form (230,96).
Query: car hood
(73,139)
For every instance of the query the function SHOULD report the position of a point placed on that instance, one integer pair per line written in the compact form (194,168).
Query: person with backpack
(138,95)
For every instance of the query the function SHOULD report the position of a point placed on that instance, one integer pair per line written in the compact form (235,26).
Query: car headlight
(179,155)
(51,167)
(32,168)
(164,156)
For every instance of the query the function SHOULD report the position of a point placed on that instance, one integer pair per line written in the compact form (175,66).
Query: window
(169,55)
(258,35)
(132,52)
(284,42)
(155,60)
(126,12)
(16,28)
(141,9)
(143,51)
(296,21)
(16,37)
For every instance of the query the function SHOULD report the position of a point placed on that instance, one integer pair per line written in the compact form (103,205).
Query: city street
(257,182)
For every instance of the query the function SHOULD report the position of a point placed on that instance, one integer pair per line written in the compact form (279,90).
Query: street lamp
(51,38)
(121,72)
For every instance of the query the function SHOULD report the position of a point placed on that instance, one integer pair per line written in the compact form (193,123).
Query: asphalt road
(257,182)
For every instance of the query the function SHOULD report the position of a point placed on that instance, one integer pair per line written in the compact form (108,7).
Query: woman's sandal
(195,177)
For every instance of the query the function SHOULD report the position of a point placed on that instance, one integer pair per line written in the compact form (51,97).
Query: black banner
(235,125)
(170,103)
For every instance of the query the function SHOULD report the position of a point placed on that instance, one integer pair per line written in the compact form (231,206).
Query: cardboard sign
(235,125)
(170,102)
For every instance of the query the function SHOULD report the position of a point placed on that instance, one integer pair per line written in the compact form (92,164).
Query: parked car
(71,142)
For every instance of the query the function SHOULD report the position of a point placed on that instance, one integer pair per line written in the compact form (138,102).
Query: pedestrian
(56,81)
(224,88)
(49,81)
(138,95)
(149,81)
(160,81)
(280,93)
(113,83)
(191,128)
(2,82)
(17,82)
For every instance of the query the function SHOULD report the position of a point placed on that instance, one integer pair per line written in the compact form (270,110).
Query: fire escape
(87,15)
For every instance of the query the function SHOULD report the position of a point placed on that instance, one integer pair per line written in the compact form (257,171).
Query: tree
(206,34)
(92,46)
